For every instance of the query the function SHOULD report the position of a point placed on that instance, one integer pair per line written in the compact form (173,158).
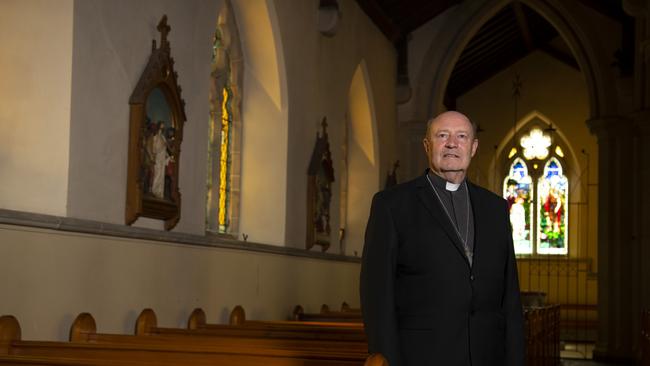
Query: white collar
(453,187)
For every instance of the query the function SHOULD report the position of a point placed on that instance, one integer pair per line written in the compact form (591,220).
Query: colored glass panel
(535,144)
(552,198)
(220,147)
(517,190)
(224,162)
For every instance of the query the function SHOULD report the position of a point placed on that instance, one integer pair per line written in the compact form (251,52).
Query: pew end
(237,316)
(324,309)
(297,312)
(376,359)
(146,321)
(83,325)
(197,319)
(9,332)
(345,306)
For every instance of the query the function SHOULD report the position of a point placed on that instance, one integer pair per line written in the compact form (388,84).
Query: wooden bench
(84,330)
(542,335)
(346,315)
(15,351)
(241,327)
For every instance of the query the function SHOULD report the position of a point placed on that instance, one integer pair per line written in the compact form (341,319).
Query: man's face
(450,143)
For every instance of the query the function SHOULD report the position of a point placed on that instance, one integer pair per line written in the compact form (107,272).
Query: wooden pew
(84,330)
(542,335)
(376,359)
(344,316)
(346,308)
(16,351)
(241,327)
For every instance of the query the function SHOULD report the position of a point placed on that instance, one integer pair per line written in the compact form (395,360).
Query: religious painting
(552,198)
(156,123)
(517,190)
(319,192)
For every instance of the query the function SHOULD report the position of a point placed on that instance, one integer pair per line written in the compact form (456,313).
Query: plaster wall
(112,44)
(319,73)
(36,59)
(52,276)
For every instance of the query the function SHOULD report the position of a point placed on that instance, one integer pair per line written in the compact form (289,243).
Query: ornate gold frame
(158,74)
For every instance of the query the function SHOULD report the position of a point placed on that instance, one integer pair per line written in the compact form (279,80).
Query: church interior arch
(362,159)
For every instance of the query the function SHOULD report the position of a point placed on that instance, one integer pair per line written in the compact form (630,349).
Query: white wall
(75,163)
(112,44)
(319,73)
(264,124)
(49,277)
(36,64)
(363,169)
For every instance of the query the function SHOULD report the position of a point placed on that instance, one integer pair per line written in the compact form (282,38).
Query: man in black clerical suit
(439,278)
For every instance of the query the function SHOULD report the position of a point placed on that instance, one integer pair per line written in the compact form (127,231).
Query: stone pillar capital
(608,127)
(636,8)
(642,121)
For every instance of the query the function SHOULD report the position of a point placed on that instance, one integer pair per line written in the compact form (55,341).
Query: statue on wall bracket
(157,115)
(319,192)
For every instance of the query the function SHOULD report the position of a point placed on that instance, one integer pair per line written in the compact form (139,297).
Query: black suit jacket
(422,303)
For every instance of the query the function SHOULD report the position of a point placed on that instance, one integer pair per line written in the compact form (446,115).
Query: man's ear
(474,146)
(425,142)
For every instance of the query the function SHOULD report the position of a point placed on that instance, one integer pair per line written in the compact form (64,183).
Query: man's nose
(451,142)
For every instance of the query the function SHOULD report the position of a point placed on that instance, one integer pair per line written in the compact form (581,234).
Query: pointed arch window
(537,192)
(224,145)
(517,190)
(552,198)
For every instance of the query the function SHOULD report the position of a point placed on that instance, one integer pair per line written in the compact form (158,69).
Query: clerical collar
(441,183)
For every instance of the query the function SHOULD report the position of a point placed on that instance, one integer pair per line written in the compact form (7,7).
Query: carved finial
(164,29)
(324,124)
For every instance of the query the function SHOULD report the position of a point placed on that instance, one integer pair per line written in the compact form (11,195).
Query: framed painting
(157,115)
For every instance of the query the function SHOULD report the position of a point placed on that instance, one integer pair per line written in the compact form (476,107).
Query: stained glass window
(517,190)
(535,144)
(225,159)
(224,147)
(552,199)
(537,191)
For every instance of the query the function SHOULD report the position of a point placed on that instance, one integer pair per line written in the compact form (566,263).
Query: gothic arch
(522,124)
(466,19)
(264,122)
(362,158)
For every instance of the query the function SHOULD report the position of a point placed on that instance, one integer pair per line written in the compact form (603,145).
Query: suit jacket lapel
(434,206)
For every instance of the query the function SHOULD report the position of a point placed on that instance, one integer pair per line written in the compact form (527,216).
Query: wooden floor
(580,354)
(586,363)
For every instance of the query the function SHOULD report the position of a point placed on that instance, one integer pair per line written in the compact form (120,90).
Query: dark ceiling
(510,35)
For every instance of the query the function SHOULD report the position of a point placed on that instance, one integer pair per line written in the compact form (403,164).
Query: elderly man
(439,278)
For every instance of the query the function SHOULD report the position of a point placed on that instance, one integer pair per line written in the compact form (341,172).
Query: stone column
(640,10)
(619,248)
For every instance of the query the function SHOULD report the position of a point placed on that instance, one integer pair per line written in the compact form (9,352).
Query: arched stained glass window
(517,190)
(552,198)
(537,192)
(222,207)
